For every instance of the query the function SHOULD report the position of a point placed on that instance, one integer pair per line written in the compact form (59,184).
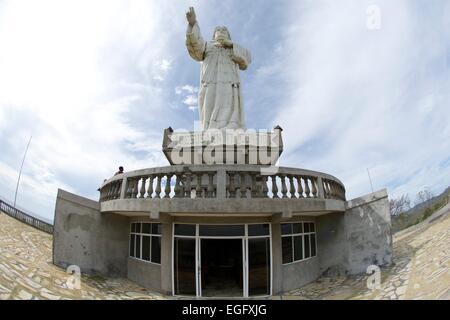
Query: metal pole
(20,172)
(370,179)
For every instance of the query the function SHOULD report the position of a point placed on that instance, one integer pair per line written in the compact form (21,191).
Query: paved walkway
(421,269)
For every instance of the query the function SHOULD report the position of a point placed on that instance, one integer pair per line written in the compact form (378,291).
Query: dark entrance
(221,267)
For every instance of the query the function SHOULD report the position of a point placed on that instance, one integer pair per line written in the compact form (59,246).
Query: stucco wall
(290,276)
(97,243)
(368,232)
(146,274)
(299,273)
(331,243)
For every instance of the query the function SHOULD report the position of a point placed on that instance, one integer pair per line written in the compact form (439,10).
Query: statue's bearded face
(221,33)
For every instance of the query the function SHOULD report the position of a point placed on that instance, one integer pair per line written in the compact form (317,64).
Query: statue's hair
(228,32)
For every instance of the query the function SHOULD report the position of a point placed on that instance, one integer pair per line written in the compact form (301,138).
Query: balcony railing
(222,181)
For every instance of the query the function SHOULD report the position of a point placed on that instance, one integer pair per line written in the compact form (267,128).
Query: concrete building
(222,229)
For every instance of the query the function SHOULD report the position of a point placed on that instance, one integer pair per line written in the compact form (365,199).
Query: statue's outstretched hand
(190,16)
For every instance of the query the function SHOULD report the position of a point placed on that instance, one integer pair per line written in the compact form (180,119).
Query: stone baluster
(118,186)
(129,187)
(108,191)
(111,190)
(134,190)
(264,187)
(177,188)
(242,188)
(299,187)
(291,186)
(307,189)
(142,191)
(274,186)
(231,187)
(198,189)
(330,191)
(253,186)
(150,187)
(314,187)
(187,186)
(210,188)
(158,186)
(283,186)
(105,193)
(112,196)
(333,189)
(342,193)
(326,189)
(167,186)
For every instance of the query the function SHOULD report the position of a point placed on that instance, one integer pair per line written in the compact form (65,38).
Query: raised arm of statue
(194,41)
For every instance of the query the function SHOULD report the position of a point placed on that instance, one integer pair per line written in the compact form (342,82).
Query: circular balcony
(222,190)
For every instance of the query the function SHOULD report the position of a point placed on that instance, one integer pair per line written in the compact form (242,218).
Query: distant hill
(419,212)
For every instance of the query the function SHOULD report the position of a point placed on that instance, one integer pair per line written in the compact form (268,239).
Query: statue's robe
(219,100)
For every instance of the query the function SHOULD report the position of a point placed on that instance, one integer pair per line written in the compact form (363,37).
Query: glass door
(222,260)
(259,266)
(184,266)
(222,272)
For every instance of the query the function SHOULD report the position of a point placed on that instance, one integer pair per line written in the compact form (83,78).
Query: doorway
(222,260)
(222,271)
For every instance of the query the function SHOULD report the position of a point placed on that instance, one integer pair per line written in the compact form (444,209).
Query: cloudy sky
(354,84)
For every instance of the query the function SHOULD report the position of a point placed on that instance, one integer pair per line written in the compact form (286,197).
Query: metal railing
(25,218)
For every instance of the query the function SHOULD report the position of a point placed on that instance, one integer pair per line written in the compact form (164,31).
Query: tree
(399,205)
(424,196)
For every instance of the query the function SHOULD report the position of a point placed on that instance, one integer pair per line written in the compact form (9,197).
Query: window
(145,241)
(298,241)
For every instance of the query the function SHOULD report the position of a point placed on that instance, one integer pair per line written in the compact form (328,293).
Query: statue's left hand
(227,43)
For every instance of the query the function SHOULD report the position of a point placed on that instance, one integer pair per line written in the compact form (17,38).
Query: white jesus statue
(219,99)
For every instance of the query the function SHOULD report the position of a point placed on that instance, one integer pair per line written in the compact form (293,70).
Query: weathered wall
(299,273)
(331,243)
(368,232)
(97,243)
(286,277)
(145,273)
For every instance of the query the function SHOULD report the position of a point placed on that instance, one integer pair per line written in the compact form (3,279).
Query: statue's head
(221,33)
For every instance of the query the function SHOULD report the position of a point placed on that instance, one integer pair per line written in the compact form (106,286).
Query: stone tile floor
(421,269)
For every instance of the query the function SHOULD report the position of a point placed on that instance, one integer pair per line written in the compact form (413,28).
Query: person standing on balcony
(120,171)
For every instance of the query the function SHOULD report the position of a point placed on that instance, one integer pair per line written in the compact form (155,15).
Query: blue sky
(96,82)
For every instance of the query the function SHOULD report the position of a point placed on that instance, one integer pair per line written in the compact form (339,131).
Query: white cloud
(191,100)
(358,98)
(86,79)
(186,89)
(76,75)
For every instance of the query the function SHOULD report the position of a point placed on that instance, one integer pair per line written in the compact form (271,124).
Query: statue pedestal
(223,147)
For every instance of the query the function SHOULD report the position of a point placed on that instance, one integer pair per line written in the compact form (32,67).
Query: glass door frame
(245,264)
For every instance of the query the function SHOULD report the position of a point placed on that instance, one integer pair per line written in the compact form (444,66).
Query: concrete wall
(290,276)
(145,273)
(368,232)
(331,243)
(299,273)
(97,243)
